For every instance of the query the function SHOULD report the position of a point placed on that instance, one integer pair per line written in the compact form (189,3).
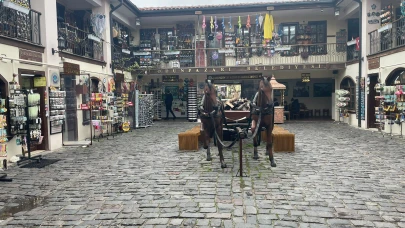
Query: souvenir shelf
(3,130)
(379,109)
(389,106)
(157,96)
(230,42)
(192,104)
(342,101)
(57,110)
(25,123)
(147,42)
(386,18)
(99,110)
(185,40)
(143,110)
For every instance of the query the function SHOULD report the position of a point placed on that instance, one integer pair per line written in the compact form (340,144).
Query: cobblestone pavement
(339,176)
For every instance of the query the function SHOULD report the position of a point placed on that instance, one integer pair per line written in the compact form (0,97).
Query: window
(318,36)
(349,85)
(289,38)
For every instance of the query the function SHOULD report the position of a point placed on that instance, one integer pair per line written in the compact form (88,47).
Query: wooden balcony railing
(18,25)
(208,57)
(388,37)
(81,43)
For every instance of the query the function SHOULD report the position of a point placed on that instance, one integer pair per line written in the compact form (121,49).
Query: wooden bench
(283,140)
(188,140)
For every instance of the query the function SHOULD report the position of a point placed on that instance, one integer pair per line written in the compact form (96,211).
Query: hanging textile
(268,27)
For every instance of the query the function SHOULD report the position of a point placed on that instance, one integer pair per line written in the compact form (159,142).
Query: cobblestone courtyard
(339,176)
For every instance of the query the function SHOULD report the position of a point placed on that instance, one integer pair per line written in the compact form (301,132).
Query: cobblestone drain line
(338,177)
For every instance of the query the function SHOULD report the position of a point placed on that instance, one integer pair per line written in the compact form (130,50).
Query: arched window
(349,85)
(394,77)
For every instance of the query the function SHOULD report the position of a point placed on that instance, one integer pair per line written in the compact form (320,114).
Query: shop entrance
(75,85)
(3,88)
(372,102)
(26,80)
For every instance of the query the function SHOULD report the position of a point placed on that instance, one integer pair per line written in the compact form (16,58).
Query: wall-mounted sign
(234,77)
(39,81)
(71,68)
(30,55)
(373,63)
(170,78)
(55,78)
(246,69)
(84,107)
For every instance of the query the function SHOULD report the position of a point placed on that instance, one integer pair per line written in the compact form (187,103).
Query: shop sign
(71,68)
(373,63)
(30,55)
(243,69)
(40,81)
(130,104)
(234,77)
(170,78)
(84,107)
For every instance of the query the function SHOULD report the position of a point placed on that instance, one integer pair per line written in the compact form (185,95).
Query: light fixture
(61,45)
(305,77)
(137,22)
(337,11)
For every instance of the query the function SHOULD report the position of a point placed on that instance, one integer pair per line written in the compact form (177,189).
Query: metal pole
(360,63)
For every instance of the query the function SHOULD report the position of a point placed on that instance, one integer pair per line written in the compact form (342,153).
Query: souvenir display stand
(192,104)
(25,122)
(57,110)
(342,101)
(278,110)
(143,110)
(157,95)
(3,139)
(99,115)
(379,110)
(393,107)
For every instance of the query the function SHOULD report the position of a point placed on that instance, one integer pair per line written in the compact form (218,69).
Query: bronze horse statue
(212,118)
(262,114)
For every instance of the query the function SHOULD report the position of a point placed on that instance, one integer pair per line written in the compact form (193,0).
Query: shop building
(305,52)
(68,49)
(383,53)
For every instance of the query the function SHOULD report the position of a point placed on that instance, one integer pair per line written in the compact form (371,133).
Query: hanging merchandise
(248,22)
(223,24)
(203,25)
(261,21)
(212,24)
(215,23)
(257,23)
(268,27)
(98,24)
(240,24)
(230,23)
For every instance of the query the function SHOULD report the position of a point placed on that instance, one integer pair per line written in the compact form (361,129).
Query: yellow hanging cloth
(268,27)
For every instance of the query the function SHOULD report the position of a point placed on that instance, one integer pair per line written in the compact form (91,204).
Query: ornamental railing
(388,37)
(19,25)
(207,57)
(81,43)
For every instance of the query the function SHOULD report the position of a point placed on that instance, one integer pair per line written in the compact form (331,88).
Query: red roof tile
(226,5)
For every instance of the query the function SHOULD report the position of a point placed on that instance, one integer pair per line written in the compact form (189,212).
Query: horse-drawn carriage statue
(261,115)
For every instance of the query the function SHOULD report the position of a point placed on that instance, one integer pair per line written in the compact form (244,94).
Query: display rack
(57,110)
(192,104)
(100,116)
(342,101)
(25,122)
(389,107)
(143,110)
(3,139)
(157,97)
(379,110)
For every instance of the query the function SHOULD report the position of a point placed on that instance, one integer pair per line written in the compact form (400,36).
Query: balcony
(387,38)
(18,25)
(81,43)
(304,54)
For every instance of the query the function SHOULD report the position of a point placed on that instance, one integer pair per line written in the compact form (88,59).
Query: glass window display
(228,91)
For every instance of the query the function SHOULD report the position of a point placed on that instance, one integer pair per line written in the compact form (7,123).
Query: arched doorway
(349,85)
(394,77)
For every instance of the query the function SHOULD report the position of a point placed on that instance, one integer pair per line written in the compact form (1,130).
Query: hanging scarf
(212,24)
(230,23)
(203,24)
(268,27)
(248,22)
(223,24)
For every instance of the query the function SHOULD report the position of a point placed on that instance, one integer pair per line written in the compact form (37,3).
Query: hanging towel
(268,27)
